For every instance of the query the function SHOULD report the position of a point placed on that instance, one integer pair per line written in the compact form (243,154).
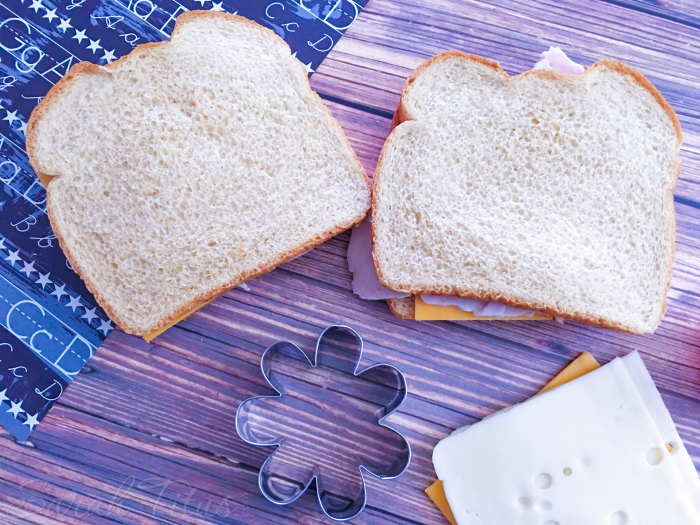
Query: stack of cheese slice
(601,449)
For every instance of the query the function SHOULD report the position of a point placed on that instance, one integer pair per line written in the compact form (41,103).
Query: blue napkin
(50,325)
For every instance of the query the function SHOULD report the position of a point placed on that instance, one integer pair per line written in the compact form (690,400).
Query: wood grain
(146,434)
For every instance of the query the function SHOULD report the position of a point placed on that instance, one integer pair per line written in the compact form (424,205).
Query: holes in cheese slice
(525,503)
(580,366)
(654,456)
(604,426)
(543,481)
(619,518)
(544,506)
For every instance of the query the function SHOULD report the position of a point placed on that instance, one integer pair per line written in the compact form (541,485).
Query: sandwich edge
(402,115)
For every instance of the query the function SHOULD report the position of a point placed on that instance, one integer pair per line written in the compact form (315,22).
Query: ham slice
(364,276)
(556,59)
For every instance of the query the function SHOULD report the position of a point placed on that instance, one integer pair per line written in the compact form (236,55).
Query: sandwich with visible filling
(545,195)
(597,446)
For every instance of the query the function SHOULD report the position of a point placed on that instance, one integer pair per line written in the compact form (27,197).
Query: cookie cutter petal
(381,377)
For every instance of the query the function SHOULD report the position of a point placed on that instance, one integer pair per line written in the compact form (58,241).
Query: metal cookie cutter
(327,422)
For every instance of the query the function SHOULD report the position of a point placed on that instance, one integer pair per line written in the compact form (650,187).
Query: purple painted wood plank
(515,34)
(686,12)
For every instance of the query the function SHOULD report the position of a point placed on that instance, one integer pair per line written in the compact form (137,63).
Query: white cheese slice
(662,419)
(591,452)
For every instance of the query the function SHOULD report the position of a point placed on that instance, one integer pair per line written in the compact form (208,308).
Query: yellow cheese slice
(435,312)
(580,366)
(45,179)
(149,337)
(437,493)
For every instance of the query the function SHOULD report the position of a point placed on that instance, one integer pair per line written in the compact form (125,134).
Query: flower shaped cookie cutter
(327,422)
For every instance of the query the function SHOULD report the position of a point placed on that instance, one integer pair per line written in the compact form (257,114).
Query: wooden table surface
(146,433)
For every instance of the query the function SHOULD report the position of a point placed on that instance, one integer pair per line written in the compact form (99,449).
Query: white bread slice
(190,166)
(403,308)
(544,191)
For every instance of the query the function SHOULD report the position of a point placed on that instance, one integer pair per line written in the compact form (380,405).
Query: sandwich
(598,447)
(545,195)
(189,167)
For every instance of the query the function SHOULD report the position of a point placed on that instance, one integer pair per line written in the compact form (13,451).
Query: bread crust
(87,68)
(402,114)
(404,308)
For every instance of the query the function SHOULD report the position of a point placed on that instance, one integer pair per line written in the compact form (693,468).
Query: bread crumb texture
(190,166)
(404,307)
(544,191)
